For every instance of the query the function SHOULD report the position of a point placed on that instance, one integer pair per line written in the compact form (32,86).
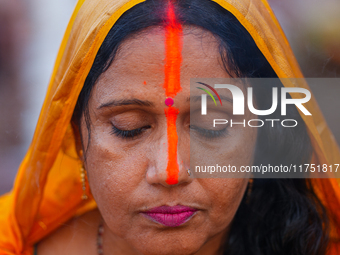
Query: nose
(169,169)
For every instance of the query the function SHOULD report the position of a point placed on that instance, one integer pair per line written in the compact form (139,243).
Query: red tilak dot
(169,101)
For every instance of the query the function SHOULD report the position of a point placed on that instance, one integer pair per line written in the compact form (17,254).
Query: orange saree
(48,189)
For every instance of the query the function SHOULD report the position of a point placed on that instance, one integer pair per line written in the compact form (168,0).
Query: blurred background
(31,31)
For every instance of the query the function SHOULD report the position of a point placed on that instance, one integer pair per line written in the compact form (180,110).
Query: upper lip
(171,209)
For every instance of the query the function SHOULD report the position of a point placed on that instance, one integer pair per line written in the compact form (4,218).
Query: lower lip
(170,219)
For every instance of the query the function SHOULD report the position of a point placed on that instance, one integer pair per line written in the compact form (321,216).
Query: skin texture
(128,175)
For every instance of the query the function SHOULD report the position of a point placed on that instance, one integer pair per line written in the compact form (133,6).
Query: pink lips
(170,216)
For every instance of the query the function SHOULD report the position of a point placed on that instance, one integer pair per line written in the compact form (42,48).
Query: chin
(162,245)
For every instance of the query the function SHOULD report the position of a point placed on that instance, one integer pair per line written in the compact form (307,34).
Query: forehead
(139,63)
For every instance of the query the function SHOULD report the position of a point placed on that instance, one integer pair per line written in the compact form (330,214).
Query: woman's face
(128,175)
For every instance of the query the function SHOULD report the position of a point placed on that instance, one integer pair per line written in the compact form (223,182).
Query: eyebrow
(125,102)
(197,98)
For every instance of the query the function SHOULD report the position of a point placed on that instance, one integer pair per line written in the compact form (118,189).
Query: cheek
(230,152)
(113,176)
(241,147)
(225,196)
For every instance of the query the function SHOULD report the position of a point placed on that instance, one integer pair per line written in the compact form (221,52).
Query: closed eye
(126,134)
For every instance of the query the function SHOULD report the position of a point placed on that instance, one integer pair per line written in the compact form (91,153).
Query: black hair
(279,216)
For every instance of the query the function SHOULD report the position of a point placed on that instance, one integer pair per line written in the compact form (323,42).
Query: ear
(78,139)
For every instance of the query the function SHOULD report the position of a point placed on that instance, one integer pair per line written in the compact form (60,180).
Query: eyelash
(208,133)
(127,134)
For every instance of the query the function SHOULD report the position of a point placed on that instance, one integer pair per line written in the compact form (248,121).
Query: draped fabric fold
(47,190)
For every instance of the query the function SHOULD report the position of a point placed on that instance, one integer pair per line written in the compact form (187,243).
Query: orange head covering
(37,204)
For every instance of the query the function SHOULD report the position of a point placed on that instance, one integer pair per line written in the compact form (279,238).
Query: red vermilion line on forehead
(172,71)
(173,54)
